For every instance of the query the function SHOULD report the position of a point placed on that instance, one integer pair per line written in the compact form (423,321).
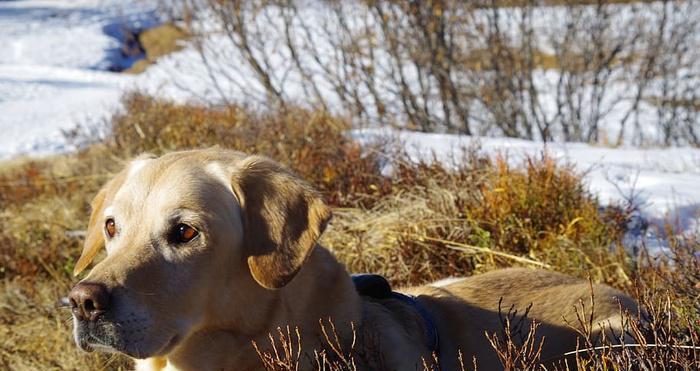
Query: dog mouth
(92,343)
(107,337)
(98,337)
(132,335)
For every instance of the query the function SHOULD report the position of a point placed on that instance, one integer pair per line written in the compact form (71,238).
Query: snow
(664,183)
(53,68)
(317,31)
(54,74)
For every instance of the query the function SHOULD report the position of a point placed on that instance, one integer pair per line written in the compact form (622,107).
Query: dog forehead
(137,165)
(184,179)
(133,186)
(143,177)
(219,172)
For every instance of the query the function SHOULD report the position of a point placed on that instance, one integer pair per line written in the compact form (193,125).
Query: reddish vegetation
(421,223)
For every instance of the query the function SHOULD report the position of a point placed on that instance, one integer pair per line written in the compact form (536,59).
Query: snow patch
(663,182)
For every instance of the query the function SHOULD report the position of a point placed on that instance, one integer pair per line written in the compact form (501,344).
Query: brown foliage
(422,222)
(313,143)
(483,215)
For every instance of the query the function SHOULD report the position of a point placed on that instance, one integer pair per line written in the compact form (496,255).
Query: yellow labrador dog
(210,250)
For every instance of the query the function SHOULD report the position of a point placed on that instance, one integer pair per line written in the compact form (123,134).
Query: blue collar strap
(376,286)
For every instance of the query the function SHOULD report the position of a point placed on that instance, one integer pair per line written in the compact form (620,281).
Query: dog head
(183,234)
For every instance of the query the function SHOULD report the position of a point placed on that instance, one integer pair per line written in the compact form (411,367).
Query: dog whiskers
(138,352)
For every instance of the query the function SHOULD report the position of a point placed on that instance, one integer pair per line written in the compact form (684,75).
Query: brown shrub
(421,223)
(44,204)
(484,215)
(311,142)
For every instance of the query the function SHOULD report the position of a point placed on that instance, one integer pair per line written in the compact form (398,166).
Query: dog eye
(110,227)
(184,233)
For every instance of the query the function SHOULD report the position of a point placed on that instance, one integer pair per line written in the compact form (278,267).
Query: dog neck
(321,291)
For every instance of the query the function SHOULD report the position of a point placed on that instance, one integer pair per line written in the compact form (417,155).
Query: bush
(421,223)
(313,143)
(577,70)
(486,214)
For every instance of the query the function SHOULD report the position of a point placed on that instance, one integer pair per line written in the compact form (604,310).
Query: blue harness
(377,287)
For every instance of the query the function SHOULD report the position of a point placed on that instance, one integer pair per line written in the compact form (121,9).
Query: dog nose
(88,300)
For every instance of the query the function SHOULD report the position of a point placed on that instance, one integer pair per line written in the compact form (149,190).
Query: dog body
(209,251)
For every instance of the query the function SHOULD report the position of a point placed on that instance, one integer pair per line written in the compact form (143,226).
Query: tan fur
(94,241)
(256,267)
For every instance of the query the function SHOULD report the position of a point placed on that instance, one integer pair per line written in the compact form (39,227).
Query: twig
(470,248)
(603,347)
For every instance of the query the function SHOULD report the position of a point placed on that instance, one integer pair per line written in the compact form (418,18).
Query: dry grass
(492,59)
(311,142)
(37,336)
(422,223)
(484,215)
(665,335)
(157,42)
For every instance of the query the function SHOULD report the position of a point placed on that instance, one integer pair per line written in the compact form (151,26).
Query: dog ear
(94,240)
(283,219)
